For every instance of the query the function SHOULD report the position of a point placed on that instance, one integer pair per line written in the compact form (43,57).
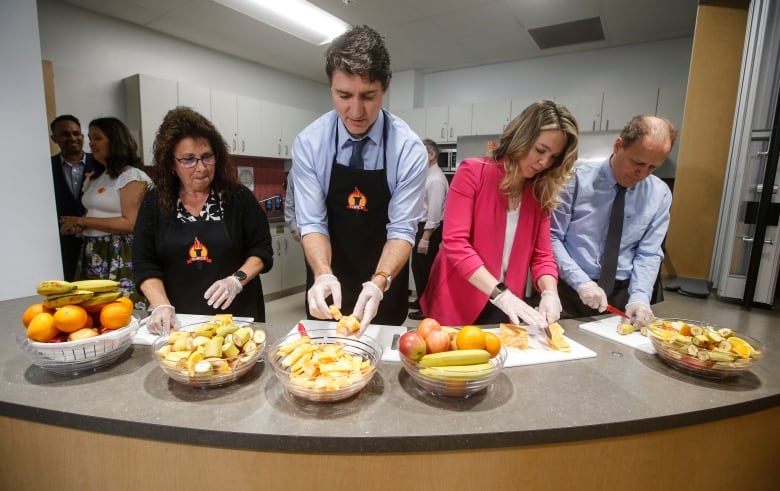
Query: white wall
(92,53)
(29,248)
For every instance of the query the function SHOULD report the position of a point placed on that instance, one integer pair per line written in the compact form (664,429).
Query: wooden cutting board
(607,328)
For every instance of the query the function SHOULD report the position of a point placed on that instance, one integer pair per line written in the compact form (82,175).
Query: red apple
(426,326)
(412,345)
(437,341)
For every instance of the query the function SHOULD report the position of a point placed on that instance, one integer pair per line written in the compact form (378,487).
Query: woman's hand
(70,225)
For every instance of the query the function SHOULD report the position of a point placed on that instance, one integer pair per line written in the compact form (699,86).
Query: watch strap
(387,277)
(498,290)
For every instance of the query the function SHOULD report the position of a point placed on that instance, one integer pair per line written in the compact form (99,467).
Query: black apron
(357,204)
(201,253)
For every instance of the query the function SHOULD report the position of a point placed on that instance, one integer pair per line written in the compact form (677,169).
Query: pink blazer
(473,236)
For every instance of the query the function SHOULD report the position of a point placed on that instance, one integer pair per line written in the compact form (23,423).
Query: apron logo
(357,201)
(198,252)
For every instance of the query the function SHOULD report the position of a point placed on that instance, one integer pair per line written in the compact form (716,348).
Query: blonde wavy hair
(518,139)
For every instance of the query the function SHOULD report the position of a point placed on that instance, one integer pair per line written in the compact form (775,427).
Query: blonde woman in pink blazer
(497,225)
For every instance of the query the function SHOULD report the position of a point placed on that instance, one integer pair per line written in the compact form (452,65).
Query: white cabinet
(445,124)
(415,118)
(280,125)
(490,118)
(586,109)
(294,120)
(148,100)
(620,106)
(224,115)
(289,269)
(249,114)
(195,97)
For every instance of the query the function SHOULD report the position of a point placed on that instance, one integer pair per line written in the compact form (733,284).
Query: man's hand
(517,309)
(593,296)
(222,292)
(550,306)
(640,313)
(422,246)
(324,285)
(367,305)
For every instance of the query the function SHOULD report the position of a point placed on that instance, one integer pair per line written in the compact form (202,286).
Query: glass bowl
(303,378)
(452,383)
(710,360)
(73,357)
(194,369)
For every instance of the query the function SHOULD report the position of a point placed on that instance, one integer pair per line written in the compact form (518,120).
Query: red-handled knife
(302,329)
(617,311)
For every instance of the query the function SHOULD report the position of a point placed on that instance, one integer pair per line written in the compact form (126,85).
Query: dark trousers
(422,263)
(573,306)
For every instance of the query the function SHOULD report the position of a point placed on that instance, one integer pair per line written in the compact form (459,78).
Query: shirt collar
(374,133)
(606,172)
(82,161)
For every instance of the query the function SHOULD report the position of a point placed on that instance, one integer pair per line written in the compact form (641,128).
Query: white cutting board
(607,328)
(382,334)
(539,351)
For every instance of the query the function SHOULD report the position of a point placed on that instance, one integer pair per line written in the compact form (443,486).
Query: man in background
(359,175)
(608,231)
(68,170)
(429,230)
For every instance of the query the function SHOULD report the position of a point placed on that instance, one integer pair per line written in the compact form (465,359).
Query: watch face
(240,275)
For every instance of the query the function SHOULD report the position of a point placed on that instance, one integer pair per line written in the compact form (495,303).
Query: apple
(426,326)
(412,345)
(437,341)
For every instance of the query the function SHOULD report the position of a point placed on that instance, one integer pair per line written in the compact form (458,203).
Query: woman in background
(202,238)
(112,195)
(497,225)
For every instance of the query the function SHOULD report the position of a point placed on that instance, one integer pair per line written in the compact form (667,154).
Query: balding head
(656,129)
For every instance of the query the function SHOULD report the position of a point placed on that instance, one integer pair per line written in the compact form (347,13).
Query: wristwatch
(498,290)
(387,277)
(239,275)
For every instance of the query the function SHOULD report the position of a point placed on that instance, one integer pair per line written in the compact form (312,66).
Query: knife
(617,312)
(302,330)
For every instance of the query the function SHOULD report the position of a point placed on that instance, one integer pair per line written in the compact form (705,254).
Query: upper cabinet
(224,115)
(195,97)
(415,118)
(148,100)
(489,118)
(620,106)
(586,109)
(444,124)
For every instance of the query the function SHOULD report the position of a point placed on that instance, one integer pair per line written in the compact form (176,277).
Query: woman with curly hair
(497,225)
(202,238)
(112,195)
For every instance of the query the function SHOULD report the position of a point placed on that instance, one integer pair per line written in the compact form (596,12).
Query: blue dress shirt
(312,155)
(579,229)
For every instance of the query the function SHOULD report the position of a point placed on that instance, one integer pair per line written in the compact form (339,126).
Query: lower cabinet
(289,270)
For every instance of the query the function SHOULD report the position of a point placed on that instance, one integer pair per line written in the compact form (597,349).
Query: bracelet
(386,276)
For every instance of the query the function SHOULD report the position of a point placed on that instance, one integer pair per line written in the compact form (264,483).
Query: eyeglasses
(189,162)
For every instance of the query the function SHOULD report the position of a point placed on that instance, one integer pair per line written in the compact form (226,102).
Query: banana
(459,372)
(454,358)
(72,298)
(101,298)
(54,287)
(97,286)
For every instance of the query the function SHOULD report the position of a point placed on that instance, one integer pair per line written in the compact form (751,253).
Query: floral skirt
(110,257)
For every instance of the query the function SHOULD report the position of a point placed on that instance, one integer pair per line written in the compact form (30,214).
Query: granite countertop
(622,391)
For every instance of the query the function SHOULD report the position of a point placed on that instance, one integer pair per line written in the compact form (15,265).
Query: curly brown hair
(180,123)
(518,138)
(122,148)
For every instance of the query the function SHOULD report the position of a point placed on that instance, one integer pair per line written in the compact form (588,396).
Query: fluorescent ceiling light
(297,17)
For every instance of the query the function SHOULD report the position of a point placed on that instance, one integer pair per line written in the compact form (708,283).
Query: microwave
(448,158)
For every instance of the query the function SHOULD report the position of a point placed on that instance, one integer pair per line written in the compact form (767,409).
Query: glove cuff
(378,290)
(238,282)
(165,306)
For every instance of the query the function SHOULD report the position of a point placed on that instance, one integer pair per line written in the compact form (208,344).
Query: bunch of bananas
(87,293)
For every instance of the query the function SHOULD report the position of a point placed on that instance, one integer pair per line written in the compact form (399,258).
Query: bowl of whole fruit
(322,366)
(78,326)
(461,365)
(212,353)
(703,349)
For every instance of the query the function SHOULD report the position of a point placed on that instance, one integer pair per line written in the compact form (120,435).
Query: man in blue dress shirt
(359,175)
(580,224)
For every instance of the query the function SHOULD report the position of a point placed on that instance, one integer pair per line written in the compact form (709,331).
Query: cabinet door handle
(607,125)
(286,150)
(452,130)
(243,145)
(750,239)
(762,154)
(442,131)
(234,145)
(594,125)
(279,149)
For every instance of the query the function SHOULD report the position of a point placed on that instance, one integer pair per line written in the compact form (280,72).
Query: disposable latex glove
(640,313)
(550,306)
(162,319)
(367,305)
(517,309)
(422,246)
(593,296)
(222,292)
(324,285)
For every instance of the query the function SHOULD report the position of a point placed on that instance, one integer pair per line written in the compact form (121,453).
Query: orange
(739,346)
(70,318)
(492,344)
(42,328)
(126,301)
(115,315)
(32,311)
(470,337)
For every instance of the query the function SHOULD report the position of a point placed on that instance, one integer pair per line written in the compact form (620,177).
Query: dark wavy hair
(122,148)
(360,51)
(180,123)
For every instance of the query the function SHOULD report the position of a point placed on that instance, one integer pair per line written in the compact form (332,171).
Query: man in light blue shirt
(580,224)
(359,176)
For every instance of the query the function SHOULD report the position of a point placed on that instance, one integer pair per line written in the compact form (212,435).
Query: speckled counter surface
(620,392)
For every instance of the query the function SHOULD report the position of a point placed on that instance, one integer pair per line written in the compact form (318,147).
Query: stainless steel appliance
(448,160)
